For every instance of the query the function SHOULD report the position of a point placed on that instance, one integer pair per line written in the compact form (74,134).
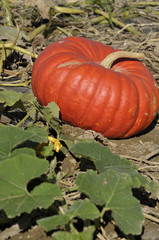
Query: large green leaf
(84,209)
(15,173)
(37,134)
(85,235)
(113,190)
(23,101)
(104,159)
(9,97)
(23,150)
(11,137)
(28,98)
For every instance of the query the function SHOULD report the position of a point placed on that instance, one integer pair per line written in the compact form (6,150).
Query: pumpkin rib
(104,114)
(50,61)
(76,94)
(141,115)
(39,61)
(84,47)
(153,106)
(65,90)
(147,78)
(135,68)
(48,92)
(116,121)
(59,73)
(87,49)
(53,49)
(94,119)
(81,48)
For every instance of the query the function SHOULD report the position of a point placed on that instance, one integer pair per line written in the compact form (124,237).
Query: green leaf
(51,114)
(113,190)
(90,184)
(15,173)
(18,151)
(84,209)
(86,235)
(45,194)
(37,134)
(104,159)
(27,98)
(12,137)
(51,223)
(9,97)
(48,150)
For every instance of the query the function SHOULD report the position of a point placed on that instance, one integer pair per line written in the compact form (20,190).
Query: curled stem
(110,59)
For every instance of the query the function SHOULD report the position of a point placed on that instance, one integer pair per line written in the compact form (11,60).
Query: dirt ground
(142,150)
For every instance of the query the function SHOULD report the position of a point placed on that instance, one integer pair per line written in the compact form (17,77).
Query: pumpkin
(96,87)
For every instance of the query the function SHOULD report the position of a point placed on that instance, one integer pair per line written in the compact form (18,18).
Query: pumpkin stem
(110,59)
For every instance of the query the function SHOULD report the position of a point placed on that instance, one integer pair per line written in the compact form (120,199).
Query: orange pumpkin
(96,87)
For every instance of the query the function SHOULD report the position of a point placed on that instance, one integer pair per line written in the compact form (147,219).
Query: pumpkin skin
(118,102)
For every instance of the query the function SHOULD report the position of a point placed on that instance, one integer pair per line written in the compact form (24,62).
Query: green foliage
(15,174)
(84,209)
(104,159)
(13,137)
(112,187)
(113,191)
(9,97)
(51,114)
(109,188)
(47,150)
(88,234)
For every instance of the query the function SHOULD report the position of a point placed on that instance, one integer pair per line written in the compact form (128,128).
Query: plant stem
(154,219)
(70,189)
(28,114)
(15,84)
(146,3)
(36,31)
(109,60)
(97,19)
(115,21)
(2,59)
(64,31)
(22,50)
(103,211)
(109,13)
(8,15)
(12,46)
(67,10)
(73,229)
